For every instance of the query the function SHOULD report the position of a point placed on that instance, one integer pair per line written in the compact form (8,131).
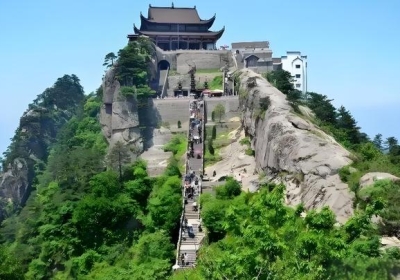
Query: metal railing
(165,83)
(178,246)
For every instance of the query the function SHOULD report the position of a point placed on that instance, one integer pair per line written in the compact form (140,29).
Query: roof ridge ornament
(172,6)
(149,5)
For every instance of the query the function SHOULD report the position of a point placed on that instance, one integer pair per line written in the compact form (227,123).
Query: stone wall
(203,59)
(172,110)
(231,105)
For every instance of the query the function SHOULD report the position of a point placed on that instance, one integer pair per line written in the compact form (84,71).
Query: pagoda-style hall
(173,28)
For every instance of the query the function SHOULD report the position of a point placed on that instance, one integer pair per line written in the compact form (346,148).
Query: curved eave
(143,20)
(214,34)
(220,33)
(136,30)
(209,22)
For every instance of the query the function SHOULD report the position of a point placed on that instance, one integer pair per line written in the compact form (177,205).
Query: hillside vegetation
(369,155)
(92,216)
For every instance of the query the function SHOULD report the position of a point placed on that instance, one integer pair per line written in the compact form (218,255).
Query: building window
(298,85)
(297,66)
(298,76)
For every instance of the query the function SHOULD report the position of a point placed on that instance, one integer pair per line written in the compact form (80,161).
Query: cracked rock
(284,141)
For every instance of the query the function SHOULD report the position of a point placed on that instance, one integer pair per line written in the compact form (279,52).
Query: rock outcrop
(119,116)
(371,177)
(14,185)
(125,119)
(291,149)
(37,131)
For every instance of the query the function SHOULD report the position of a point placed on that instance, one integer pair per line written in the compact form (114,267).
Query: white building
(296,64)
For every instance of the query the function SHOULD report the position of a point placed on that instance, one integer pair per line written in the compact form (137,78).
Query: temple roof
(208,34)
(175,15)
(250,45)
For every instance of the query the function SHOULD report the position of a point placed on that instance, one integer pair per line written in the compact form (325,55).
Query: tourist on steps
(183,259)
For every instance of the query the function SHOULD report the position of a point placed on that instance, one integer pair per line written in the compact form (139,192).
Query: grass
(246,142)
(208,71)
(178,146)
(216,83)
(210,159)
(222,140)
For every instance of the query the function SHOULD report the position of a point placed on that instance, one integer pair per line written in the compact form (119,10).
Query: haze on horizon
(352,48)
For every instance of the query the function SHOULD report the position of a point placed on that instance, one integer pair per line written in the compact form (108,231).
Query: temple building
(174,28)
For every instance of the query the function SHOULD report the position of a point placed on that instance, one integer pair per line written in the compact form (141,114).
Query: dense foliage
(82,222)
(255,236)
(370,155)
(133,67)
(92,216)
(46,115)
(37,131)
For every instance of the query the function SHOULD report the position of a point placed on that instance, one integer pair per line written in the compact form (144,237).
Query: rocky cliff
(36,132)
(126,119)
(291,149)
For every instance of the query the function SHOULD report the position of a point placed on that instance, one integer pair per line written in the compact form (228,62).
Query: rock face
(370,178)
(15,183)
(123,119)
(291,149)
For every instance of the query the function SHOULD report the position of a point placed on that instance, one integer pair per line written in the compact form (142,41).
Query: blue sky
(353,47)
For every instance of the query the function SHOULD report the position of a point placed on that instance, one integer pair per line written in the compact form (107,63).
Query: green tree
(280,79)
(214,132)
(132,68)
(210,146)
(346,122)
(378,142)
(391,143)
(109,59)
(10,268)
(165,205)
(229,190)
(118,157)
(219,112)
(322,107)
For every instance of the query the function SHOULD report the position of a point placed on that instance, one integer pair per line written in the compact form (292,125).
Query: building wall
(296,64)
(202,59)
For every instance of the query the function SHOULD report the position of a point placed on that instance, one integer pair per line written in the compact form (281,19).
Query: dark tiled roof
(174,15)
(209,34)
(277,60)
(249,45)
(261,57)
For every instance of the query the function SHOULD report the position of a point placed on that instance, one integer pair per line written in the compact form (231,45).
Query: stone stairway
(191,237)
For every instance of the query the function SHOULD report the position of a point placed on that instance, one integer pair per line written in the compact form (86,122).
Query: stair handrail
(165,82)
(178,245)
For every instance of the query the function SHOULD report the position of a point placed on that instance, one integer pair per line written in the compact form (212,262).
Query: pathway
(191,235)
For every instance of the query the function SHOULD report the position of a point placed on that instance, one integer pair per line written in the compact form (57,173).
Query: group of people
(192,181)
(195,128)
(192,186)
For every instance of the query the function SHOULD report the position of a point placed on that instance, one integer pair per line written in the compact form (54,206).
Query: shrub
(210,146)
(214,132)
